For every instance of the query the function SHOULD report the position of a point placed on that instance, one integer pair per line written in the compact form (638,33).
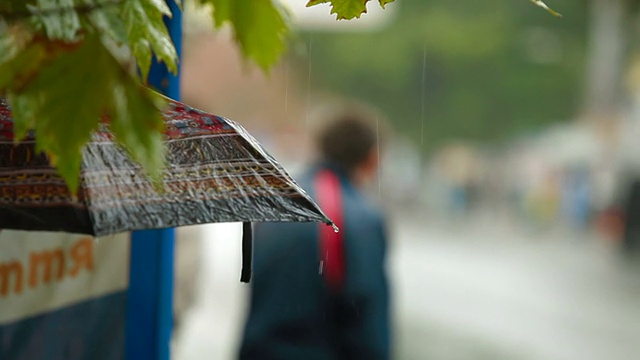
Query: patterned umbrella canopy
(216,172)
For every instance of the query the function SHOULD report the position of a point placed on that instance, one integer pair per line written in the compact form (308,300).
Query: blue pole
(150,294)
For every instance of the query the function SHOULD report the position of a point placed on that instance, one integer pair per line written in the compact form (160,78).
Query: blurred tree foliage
(481,70)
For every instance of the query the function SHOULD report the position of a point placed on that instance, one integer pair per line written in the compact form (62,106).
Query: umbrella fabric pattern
(215,172)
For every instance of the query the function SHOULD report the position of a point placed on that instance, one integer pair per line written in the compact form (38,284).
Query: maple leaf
(147,34)
(64,108)
(347,9)
(259,27)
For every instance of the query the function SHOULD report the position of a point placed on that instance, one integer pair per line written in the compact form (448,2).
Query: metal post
(150,294)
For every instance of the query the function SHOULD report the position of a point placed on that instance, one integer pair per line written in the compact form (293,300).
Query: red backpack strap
(329,196)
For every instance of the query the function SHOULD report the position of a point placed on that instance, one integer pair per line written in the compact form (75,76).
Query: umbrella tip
(335,227)
(245,276)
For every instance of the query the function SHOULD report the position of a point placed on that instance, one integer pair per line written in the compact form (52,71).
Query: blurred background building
(514,144)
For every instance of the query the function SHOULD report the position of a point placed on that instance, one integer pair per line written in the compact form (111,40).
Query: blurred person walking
(317,294)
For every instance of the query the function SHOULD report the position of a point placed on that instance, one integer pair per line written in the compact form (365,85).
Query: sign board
(62,296)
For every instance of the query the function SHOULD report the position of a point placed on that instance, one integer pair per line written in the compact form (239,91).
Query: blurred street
(524,114)
(483,291)
(470,289)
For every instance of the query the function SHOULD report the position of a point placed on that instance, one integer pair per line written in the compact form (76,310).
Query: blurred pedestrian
(317,294)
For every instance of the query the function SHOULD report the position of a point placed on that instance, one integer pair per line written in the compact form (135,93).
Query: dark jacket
(292,313)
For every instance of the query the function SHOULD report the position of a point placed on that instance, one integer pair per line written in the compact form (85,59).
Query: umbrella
(215,172)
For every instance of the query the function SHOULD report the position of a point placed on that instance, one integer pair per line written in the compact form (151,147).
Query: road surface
(469,290)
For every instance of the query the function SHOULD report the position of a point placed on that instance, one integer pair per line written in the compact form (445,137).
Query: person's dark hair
(347,138)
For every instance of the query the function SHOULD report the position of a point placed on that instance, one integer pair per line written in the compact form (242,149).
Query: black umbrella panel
(215,172)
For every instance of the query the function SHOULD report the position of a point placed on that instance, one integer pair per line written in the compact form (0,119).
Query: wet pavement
(488,292)
(481,289)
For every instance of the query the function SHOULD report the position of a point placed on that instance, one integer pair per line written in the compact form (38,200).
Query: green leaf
(383,3)
(222,11)
(21,57)
(345,9)
(162,6)
(148,34)
(63,25)
(259,28)
(9,7)
(69,95)
(11,43)
(138,126)
(108,21)
(23,115)
(65,107)
(317,2)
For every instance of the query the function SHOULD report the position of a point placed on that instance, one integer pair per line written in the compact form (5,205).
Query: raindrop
(286,87)
(424,72)
(308,84)
(97,240)
(379,159)
(321,267)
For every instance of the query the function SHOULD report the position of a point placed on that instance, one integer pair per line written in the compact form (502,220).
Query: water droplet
(308,110)
(321,267)
(379,159)
(335,228)
(424,68)
(286,87)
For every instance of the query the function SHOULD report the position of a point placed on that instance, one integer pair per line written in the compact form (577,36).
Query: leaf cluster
(67,64)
